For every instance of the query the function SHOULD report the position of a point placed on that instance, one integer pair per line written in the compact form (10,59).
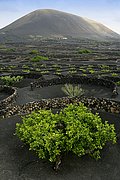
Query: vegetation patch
(118,83)
(74,129)
(39,58)
(34,51)
(9,81)
(84,51)
(72,91)
(114,74)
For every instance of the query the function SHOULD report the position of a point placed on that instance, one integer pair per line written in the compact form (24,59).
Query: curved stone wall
(76,79)
(57,103)
(5,103)
(32,75)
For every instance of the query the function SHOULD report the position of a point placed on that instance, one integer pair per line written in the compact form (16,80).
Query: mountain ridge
(52,23)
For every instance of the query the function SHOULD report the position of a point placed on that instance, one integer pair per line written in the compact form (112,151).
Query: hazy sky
(105,11)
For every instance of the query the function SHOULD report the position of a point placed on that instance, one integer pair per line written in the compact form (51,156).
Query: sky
(106,12)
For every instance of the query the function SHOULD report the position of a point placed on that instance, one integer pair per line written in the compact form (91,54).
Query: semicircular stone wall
(57,103)
(76,79)
(8,101)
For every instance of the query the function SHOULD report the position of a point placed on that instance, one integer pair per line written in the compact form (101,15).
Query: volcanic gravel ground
(3,95)
(18,163)
(25,94)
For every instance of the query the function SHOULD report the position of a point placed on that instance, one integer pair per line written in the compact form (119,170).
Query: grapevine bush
(75,129)
(84,51)
(39,58)
(9,81)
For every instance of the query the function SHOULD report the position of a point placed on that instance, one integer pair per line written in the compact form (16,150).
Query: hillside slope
(47,23)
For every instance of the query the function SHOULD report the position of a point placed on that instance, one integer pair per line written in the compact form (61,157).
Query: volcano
(53,23)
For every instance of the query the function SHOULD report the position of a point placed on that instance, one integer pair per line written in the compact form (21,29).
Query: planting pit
(25,94)
(3,95)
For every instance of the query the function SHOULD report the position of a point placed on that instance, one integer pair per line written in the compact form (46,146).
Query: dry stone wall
(9,101)
(77,80)
(57,103)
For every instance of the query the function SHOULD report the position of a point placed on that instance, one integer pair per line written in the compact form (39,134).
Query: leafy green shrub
(114,74)
(39,58)
(83,70)
(92,71)
(118,83)
(84,74)
(55,66)
(72,71)
(45,72)
(11,67)
(105,70)
(74,129)
(26,70)
(72,91)
(25,66)
(9,81)
(34,51)
(90,66)
(57,73)
(103,66)
(84,51)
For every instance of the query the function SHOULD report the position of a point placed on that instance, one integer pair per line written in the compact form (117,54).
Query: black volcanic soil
(3,95)
(26,95)
(18,163)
